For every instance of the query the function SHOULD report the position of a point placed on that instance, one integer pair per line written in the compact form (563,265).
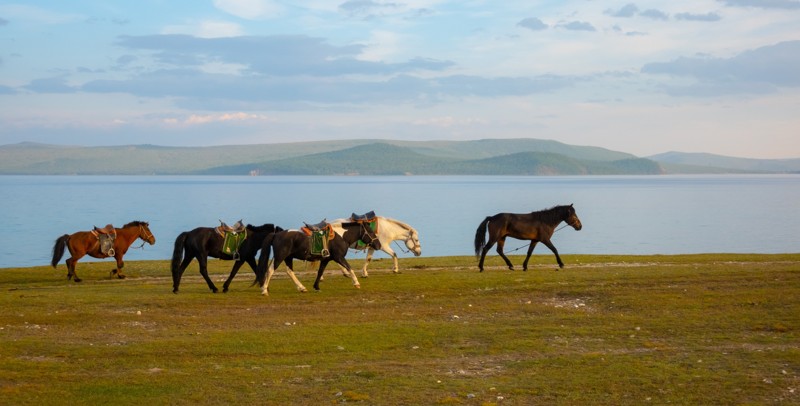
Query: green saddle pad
(319,243)
(232,243)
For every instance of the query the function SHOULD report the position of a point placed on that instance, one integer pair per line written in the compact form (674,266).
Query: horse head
(369,237)
(145,234)
(572,218)
(412,243)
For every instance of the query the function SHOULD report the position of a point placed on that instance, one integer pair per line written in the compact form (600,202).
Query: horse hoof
(357,286)
(78,280)
(121,276)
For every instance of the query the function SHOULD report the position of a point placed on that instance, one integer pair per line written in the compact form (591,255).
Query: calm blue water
(620,214)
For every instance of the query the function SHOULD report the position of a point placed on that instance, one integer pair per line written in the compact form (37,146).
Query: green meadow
(605,330)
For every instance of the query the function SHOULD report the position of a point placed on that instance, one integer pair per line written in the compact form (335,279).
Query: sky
(715,76)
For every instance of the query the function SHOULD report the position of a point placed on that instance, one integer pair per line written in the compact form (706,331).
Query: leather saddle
(108,229)
(368,216)
(237,228)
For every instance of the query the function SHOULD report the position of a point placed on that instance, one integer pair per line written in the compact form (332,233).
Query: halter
(410,237)
(141,228)
(367,234)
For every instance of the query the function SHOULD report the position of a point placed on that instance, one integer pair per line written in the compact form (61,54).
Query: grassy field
(695,329)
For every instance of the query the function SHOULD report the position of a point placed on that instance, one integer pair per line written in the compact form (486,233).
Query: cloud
(50,85)
(250,9)
(7,90)
(201,119)
(37,15)
(698,17)
(629,10)
(532,23)
(756,71)
(281,55)
(578,26)
(776,4)
(3,22)
(654,14)
(366,8)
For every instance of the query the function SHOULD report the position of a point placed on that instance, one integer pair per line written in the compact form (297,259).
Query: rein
(554,231)
(141,247)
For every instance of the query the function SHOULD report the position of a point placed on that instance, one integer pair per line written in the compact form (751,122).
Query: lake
(620,214)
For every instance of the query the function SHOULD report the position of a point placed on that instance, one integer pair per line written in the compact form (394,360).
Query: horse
(389,230)
(88,243)
(203,242)
(294,244)
(536,226)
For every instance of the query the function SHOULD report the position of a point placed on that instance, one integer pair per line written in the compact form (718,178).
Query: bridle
(144,240)
(372,237)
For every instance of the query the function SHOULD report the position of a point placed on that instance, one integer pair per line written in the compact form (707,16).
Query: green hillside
(371,159)
(388,159)
(367,157)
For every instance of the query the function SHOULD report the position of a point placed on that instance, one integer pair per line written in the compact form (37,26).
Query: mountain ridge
(485,156)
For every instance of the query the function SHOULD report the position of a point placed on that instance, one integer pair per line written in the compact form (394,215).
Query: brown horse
(87,243)
(536,226)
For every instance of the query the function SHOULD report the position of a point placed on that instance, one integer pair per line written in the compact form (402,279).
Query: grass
(693,329)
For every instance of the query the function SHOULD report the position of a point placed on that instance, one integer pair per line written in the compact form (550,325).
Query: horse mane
(551,215)
(135,223)
(264,227)
(401,224)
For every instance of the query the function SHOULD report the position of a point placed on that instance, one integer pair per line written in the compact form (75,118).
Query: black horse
(203,242)
(536,226)
(292,244)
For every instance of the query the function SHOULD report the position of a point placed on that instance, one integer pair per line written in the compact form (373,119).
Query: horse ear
(570,205)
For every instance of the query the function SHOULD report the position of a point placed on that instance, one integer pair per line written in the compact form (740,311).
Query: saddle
(319,234)
(234,238)
(223,228)
(108,229)
(106,235)
(368,216)
(371,220)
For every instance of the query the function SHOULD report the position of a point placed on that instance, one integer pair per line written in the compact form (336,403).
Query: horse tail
(480,236)
(58,249)
(263,260)
(177,253)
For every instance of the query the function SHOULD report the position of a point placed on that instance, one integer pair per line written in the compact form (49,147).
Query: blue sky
(718,76)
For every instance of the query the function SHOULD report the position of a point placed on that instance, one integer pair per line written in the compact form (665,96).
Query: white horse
(388,230)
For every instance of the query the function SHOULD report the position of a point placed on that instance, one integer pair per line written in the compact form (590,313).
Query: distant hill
(685,162)
(388,159)
(367,157)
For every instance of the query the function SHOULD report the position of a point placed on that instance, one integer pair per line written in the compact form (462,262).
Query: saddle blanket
(233,241)
(319,240)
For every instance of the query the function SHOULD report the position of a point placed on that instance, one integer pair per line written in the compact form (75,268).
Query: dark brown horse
(88,243)
(291,244)
(204,242)
(536,226)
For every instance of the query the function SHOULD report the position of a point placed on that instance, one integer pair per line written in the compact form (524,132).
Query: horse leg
(203,261)
(500,244)
(485,249)
(322,264)
(555,251)
(345,272)
(118,270)
(343,262)
(270,271)
(290,272)
(234,270)
(530,251)
(71,262)
(387,249)
(176,276)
